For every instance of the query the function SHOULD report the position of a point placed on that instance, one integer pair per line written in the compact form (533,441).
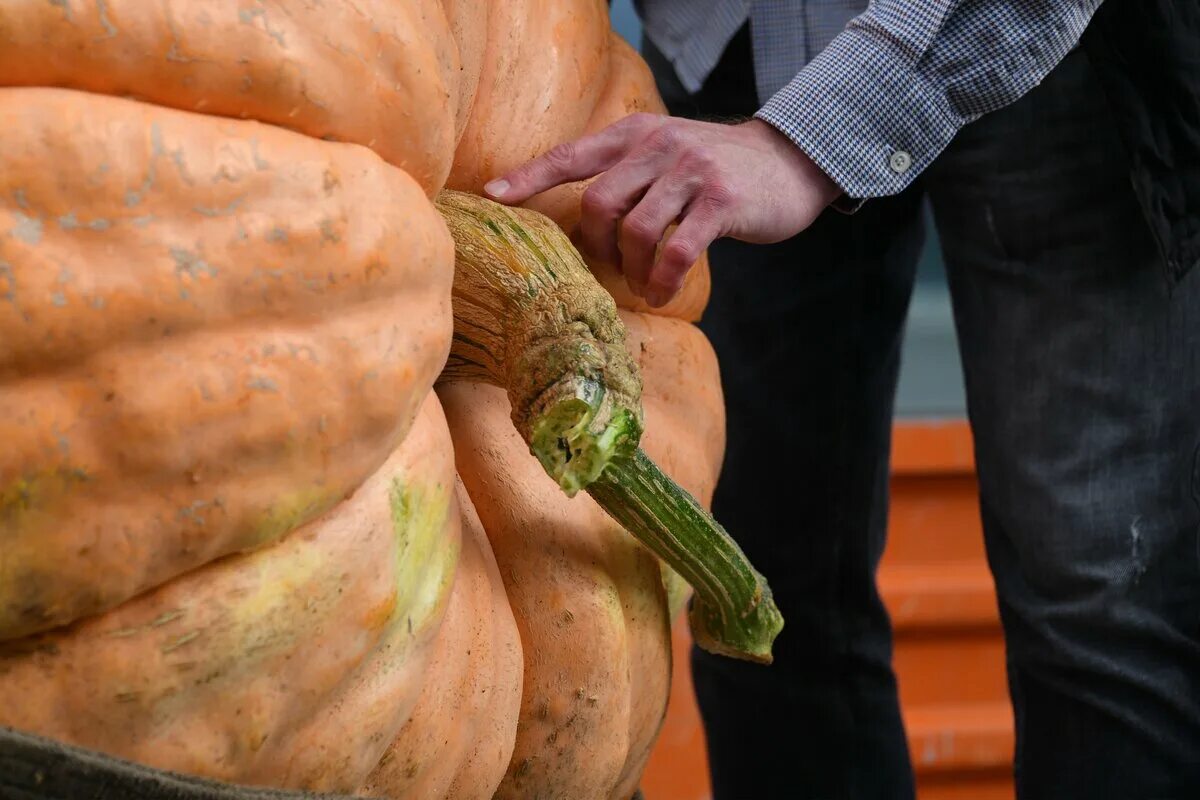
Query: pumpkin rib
(567,47)
(253,426)
(569,573)
(286,62)
(459,739)
(291,666)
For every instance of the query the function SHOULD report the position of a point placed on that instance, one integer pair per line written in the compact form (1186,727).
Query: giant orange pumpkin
(239,536)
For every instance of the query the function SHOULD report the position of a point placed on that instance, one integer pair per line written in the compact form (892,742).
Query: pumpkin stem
(530,318)
(733,612)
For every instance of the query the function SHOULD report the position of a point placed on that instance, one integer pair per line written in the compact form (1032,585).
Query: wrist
(825,190)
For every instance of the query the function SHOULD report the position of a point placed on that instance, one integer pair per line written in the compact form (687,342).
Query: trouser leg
(808,334)
(1083,381)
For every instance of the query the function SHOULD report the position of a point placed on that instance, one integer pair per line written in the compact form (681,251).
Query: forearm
(886,97)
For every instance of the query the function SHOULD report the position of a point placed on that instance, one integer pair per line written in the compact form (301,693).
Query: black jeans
(1082,367)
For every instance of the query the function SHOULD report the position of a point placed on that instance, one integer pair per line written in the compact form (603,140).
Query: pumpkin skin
(295,665)
(459,739)
(517,116)
(211,331)
(468,21)
(287,62)
(590,712)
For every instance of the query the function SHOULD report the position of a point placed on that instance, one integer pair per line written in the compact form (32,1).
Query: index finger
(571,161)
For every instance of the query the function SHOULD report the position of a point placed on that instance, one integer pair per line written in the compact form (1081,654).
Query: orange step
(949,650)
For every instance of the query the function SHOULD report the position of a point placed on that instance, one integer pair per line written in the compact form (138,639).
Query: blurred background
(949,651)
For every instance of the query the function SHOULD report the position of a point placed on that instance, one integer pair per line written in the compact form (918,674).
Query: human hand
(747,181)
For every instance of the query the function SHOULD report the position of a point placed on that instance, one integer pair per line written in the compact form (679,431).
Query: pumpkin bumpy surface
(287,62)
(295,665)
(210,332)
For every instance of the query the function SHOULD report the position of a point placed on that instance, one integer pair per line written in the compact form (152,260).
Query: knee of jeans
(1091,578)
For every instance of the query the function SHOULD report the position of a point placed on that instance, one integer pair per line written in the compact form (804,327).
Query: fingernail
(655,298)
(497,188)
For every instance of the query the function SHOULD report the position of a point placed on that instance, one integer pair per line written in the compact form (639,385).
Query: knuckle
(717,196)
(678,256)
(596,202)
(698,160)
(640,228)
(561,156)
(640,120)
(664,139)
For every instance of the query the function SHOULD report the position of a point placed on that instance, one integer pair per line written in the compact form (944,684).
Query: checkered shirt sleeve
(887,95)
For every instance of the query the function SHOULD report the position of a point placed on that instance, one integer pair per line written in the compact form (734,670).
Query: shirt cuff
(864,116)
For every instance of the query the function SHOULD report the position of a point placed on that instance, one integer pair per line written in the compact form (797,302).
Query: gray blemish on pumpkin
(260,163)
(190,264)
(100,172)
(276,274)
(303,351)
(65,5)
(175,53)
(227,211)
(142,221)
(6,274)
(21,200)
(64,274)
(28,229)
(277,234)
(157,148)
(133,197)
(181,166)
(262,384)
(247,17)
(69,222)
(98,302)
(64,445)
(156,140)
(58,299)
(109,28)
(328,233)
(193,513)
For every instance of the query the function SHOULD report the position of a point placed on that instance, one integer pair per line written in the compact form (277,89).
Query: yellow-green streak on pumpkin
(29,493)
(290,512)
(425,561)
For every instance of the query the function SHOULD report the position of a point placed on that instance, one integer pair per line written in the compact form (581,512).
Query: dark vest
(1147,54)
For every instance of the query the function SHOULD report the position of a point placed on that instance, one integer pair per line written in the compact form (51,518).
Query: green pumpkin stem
(530,318)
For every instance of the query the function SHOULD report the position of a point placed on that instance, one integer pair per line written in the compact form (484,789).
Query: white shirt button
(900,161)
